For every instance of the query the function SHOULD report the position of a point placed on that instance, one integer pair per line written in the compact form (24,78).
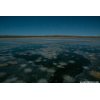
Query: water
(52,60)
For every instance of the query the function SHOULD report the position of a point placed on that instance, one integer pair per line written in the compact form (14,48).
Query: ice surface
(50,60)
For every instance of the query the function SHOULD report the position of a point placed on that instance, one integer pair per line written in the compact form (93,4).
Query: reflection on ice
(68,79)
(27,70)
(42,81)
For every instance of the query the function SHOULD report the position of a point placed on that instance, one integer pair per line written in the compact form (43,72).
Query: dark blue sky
(52,25)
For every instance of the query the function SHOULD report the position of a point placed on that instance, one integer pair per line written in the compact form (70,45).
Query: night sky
(52,25)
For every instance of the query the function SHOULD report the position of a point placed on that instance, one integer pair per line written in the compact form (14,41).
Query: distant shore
(53,36)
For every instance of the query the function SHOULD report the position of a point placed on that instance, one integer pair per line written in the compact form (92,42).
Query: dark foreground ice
(47,60)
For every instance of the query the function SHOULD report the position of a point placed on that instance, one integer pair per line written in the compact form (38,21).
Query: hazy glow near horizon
(52,25)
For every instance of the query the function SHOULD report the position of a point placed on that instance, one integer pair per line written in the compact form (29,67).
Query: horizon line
(14,36)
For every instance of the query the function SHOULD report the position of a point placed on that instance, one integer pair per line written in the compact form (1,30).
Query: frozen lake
(49,60)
